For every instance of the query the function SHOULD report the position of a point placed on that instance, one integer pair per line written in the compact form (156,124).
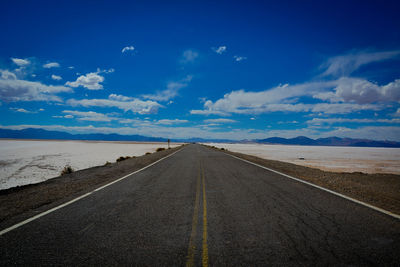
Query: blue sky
(181,69)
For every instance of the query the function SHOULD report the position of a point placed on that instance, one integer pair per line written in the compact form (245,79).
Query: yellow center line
(205,247)
(192,247)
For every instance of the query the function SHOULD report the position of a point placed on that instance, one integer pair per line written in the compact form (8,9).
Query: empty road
(202,207)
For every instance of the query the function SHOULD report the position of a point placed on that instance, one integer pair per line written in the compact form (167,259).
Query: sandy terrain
(27,161)
(337,159)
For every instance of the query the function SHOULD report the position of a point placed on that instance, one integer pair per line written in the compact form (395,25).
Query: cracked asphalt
(203,207)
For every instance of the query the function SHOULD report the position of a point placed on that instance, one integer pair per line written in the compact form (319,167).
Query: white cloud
(127,48)
(51,65)
(220,120)
(288,122)
(56,77)
(346,64)
(172,90)
(327,108)
(343,108)
(104,71)
(69,116)
(21,62)
(7,75)
(127,121)
(189,56)
(390,92)
(362,91)
(13,89)
(22,110)
(239,58)
(208,112)
(344,95)
(321,121)
(245,102)
(140,122)
(120,97)
(133,104)
(220,50)
(90,81)
(171,122)
(88,116)
(71,67)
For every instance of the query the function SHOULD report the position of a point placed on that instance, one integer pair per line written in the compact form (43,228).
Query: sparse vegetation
(67,169)
(160,149)
(107,163)
(122,158)
(147,153)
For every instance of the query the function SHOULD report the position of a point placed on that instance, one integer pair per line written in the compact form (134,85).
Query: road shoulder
(380,190)
(20,203)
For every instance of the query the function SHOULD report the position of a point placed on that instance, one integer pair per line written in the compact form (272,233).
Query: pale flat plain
(327,158)
(27,161)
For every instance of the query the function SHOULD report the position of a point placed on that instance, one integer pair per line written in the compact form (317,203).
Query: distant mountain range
(31,133)
(329,141)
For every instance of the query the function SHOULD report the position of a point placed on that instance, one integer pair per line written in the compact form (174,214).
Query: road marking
(396,216)
(15,226)
(192,247)
(205,247)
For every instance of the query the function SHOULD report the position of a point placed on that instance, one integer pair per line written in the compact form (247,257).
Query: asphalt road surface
(202,207)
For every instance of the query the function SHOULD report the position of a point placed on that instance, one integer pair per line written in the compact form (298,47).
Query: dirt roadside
(22,202)
(380,190)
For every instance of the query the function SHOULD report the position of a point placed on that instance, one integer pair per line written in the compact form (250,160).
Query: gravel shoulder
(378,189)
(22,202)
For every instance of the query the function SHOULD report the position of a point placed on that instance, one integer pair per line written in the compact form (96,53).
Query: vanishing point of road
(203,207)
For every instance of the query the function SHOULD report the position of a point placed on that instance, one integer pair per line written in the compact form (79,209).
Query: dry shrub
(122,158)
(67,169)
(160,149)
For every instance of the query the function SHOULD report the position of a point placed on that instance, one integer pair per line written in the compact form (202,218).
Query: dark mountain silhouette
(329,141)
(32,133)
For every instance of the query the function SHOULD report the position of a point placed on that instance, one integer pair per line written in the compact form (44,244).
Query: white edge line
(324,189)
(15,226)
